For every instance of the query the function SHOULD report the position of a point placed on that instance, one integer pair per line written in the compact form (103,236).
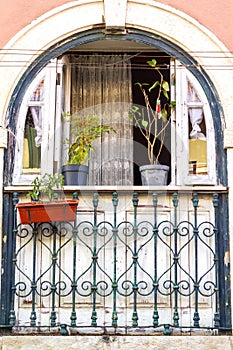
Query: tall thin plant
(152,123)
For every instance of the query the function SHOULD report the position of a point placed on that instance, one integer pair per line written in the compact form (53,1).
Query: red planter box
(47,211)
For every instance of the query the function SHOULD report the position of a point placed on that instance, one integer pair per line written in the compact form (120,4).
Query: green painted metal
(135,236)
(114,282)
(53,285)
(175,259)
(6,264)
(135,262)
(155,283)
(13,242)
(196,317)
(224,264)
(216,259)
(94,287)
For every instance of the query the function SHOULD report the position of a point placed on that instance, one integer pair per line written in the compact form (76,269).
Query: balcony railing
(151,270)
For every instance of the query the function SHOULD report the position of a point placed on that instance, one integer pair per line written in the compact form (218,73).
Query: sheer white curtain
(101,85)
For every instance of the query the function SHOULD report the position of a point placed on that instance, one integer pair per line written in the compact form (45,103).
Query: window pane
(38,93)
(33,130)
(32,141)
(197,133)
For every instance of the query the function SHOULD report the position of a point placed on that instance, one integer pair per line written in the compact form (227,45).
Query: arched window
(104,84)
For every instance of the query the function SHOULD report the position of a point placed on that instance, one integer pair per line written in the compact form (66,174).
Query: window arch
(152,40)
(190,154)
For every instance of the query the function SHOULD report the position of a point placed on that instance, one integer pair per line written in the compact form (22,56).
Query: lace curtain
(101,85)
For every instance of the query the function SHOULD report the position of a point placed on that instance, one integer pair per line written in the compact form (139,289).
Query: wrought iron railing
(134,273)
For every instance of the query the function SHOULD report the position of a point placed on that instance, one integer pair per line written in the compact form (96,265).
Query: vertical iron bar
(73,316)
(175,258)
(155,283)
(53,316)
(114,283)
(196,317)
(12,311)
(33,282)
(216,261)
(135,259)
(94,258)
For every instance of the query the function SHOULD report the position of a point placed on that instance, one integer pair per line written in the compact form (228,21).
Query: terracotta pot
(31,212)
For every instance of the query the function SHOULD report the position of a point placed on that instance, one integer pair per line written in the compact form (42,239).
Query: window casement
(104,84)
(34,153)
(194,132)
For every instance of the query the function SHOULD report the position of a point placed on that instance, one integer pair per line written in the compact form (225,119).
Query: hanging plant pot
(75,174)
(32,212)
(154,175)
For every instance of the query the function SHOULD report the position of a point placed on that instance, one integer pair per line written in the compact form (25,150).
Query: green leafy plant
(152,123)
(84,130)
(47,185)
(34,194)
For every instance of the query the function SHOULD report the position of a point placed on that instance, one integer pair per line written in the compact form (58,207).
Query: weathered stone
(116,342)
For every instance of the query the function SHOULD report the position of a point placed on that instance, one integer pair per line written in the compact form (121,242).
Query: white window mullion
(173,122)
(47,147)
(181,125)
(58,116)
(65,108)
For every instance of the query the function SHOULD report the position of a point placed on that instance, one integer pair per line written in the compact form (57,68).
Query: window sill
(129,189)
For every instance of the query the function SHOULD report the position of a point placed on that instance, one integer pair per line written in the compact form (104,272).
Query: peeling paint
(227,258)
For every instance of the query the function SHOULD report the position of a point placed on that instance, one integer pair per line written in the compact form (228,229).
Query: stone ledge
(116,342)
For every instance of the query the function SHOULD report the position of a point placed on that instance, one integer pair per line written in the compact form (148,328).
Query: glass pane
(38,93)
(32,141)
(197,133)
(33,131)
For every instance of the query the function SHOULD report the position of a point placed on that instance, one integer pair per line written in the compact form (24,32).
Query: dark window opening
(143,73)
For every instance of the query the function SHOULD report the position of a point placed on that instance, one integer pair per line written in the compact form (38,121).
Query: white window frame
(48,125)
(182,132)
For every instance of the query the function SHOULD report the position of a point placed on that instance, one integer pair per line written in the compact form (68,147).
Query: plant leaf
(141,84)
(164,114)
(144,123)
(154,86)
(173,104)
(165,94)
(152,63)
(165,85)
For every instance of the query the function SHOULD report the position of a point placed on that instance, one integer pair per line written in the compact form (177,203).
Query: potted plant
(45,205)
(84,130)
(152,123)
